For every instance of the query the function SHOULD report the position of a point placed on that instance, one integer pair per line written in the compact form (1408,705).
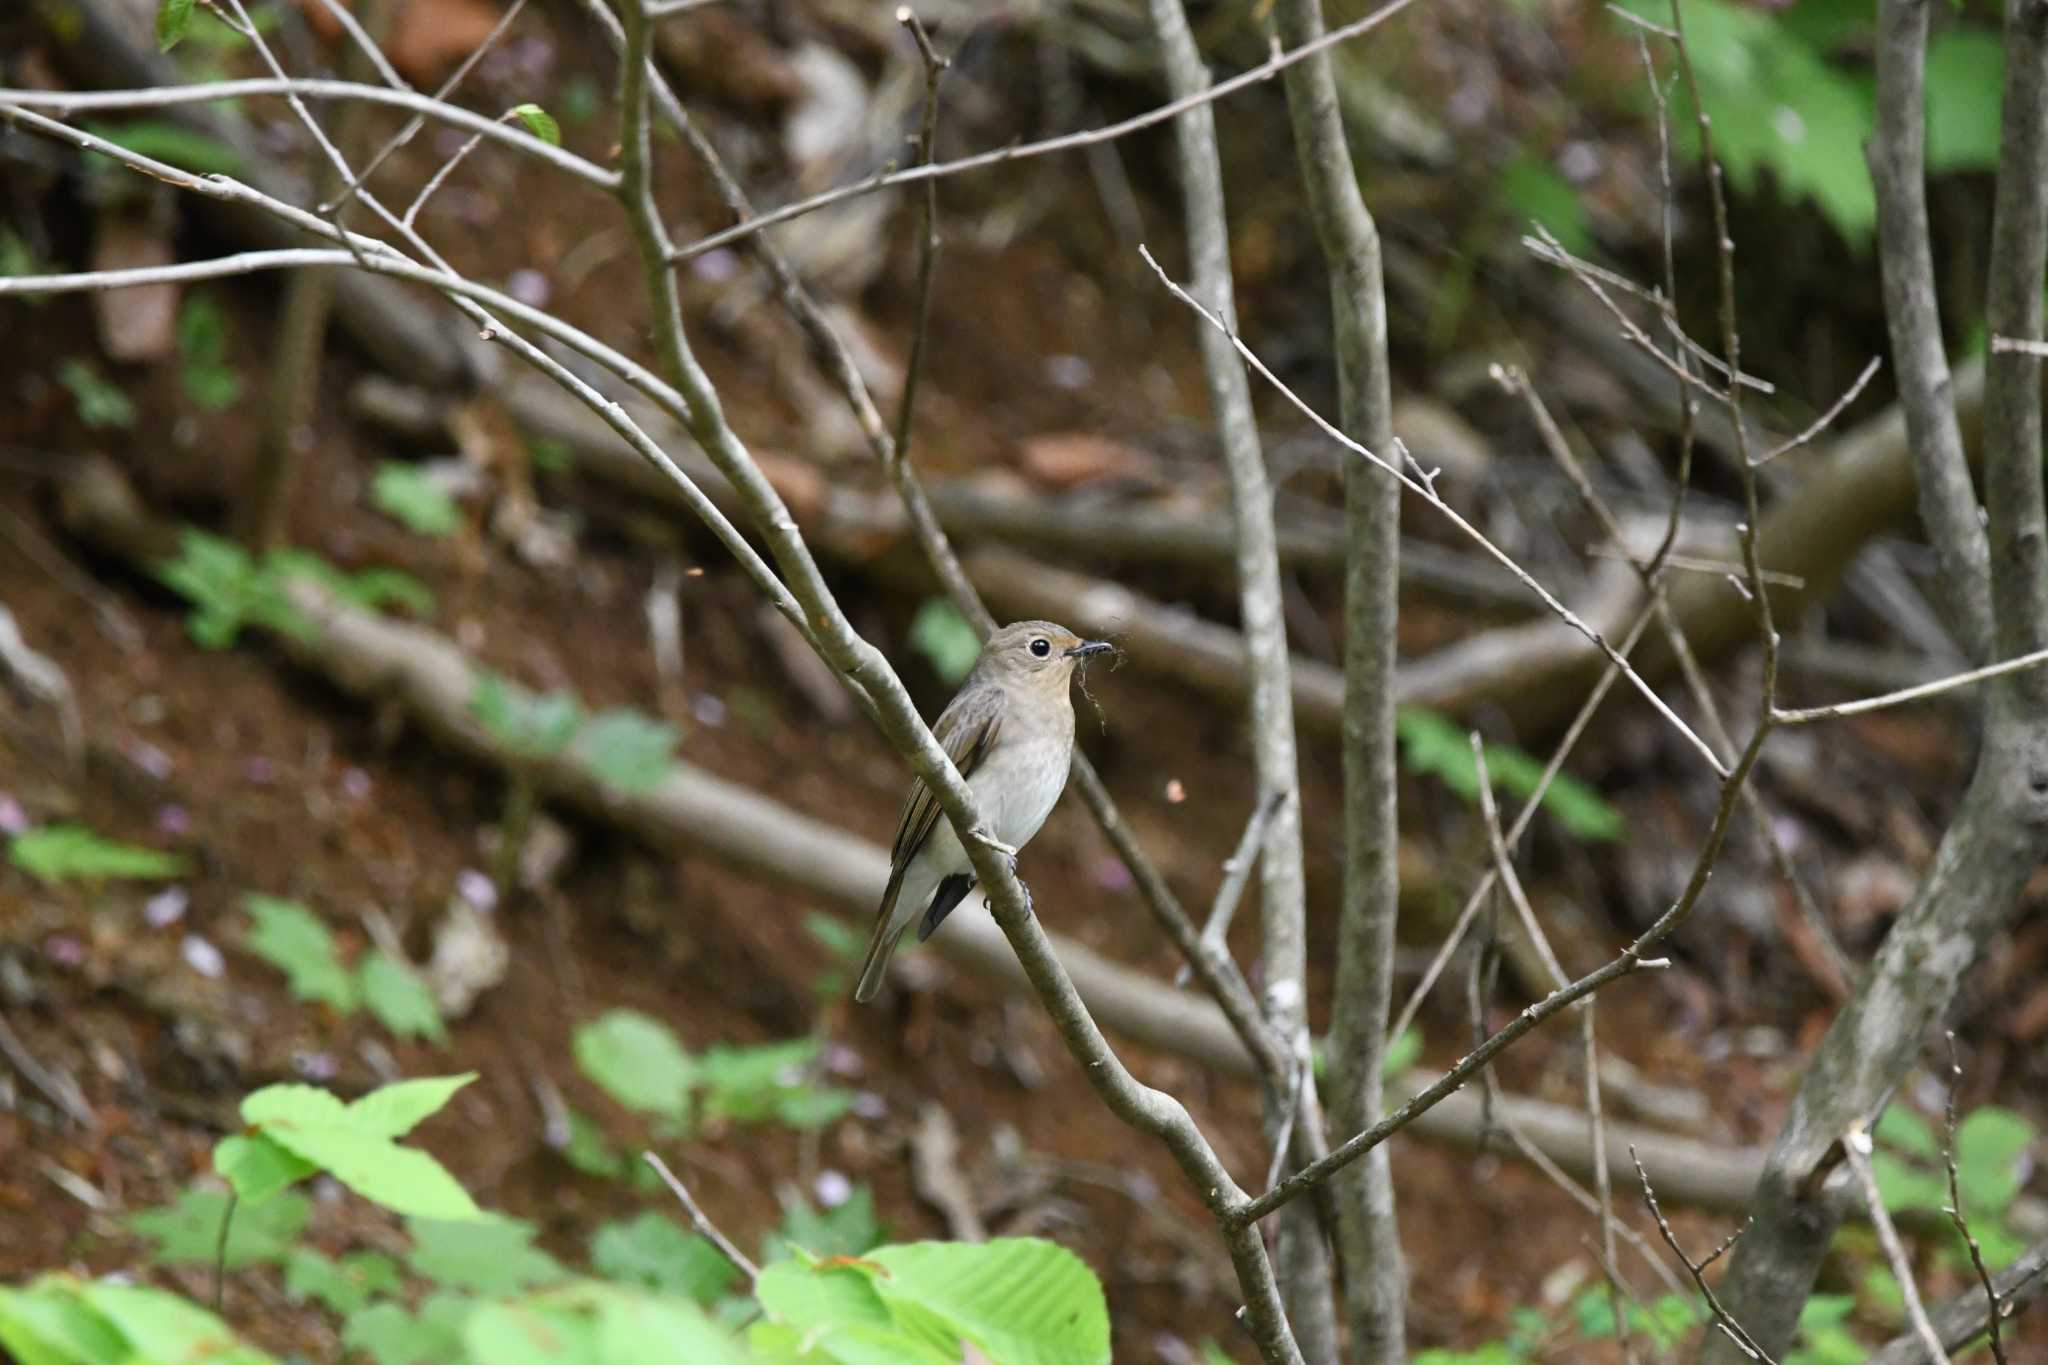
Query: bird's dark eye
(1041,647)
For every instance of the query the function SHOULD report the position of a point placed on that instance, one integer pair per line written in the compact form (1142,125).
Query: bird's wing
(967,731)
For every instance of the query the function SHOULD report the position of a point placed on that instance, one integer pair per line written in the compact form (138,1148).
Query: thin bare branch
(1955,1206)
(1723,1323)
(706,1229)
(1826,419)
(1424,490)
(169,96)
(1838,710)
(1065,143)
(1856,1148)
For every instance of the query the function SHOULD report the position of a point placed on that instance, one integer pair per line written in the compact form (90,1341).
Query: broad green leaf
(298,943)
(188,1232)
(627,750)
(531,1333)
(492,1255)
(345,1286)
(540,123)
(1965,78)
(1904,1186)
(54,854)
(638,1061)
(654,1253)
(412,498)
(1989,1144)
(944,637)
(164,1327)
(402,1179)
(633,1329)
(821,1297)
(1021,1300)
(355,1146)
(399,997)
(258,1168)
(1900,1127)
(48,1324)
(394,1110)
(391,1336)
(769,1083)
(173,18)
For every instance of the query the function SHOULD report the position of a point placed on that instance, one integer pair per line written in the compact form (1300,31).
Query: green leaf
(345,1286)
(769,1083)
(1965,79)
(529,726)
(633,1329)
(492,1255)
(256,1167)
(627,750)
(399,997)
(48,1324)
(54,854)
(589,1151)
(173,18)
(209,381)
(654,1253)
(101,405)
(173,143)
(1021,1300)
(1529,189)
(391,1336)
(847,1230)
(944,637)
(1903,1186)
(1402,1053)
(638,1061)
(1778,106)
(1905,1130)
(1434,746)
(298,943)
(540,123)
(1989,1144)
(394,1110)
(531,1333)
(412,497)
(188,1232)
(816,1297)
(355,1145)
(163,1327)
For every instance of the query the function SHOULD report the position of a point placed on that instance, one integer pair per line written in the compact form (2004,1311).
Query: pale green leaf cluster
(639,1061)
(1434,746)
(625,750)
(298,943)
(228,589)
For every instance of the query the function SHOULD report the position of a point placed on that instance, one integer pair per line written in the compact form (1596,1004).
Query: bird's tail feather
(889,927)
(876,965)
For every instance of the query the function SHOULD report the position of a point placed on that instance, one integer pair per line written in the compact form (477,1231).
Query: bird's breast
(1018,785)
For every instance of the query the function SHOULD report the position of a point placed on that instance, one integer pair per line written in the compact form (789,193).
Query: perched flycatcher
(1010,732)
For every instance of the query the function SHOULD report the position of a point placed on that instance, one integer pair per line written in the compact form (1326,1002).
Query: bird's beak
(1087,647)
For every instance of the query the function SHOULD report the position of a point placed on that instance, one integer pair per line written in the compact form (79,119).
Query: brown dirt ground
(255,756)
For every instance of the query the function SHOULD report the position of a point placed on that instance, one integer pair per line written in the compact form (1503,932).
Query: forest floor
(270,781)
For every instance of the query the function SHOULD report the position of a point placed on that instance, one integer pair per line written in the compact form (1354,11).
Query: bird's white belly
(1016,789)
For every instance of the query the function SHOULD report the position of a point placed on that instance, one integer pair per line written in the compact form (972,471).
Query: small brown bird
(1010,732)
